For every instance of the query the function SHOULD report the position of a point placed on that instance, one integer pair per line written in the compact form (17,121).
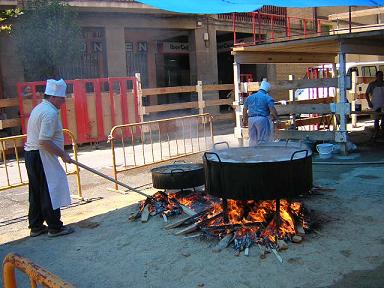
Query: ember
(245,223)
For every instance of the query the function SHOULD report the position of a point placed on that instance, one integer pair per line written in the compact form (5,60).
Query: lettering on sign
(97,46)
(129,46)
(175,47)
(142,47)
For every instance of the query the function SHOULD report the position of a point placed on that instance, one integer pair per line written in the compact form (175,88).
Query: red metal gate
(86,110)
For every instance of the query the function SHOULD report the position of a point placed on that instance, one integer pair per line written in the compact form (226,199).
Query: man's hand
(370,105)
(66,158)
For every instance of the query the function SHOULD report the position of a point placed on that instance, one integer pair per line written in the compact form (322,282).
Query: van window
(381,68)
(353,69)
(368,70)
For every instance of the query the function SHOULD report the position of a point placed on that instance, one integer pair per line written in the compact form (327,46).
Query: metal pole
(342,100)
(236,75)
(109,178)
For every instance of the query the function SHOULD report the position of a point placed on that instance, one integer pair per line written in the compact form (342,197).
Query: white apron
(56,177)
(378,97)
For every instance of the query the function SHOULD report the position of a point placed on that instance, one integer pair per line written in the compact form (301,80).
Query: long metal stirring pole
(109,178)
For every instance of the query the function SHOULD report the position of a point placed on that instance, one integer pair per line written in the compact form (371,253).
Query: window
(353,69)
(381,68)
(368,70)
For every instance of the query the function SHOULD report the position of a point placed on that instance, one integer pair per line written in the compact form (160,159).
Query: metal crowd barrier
(16,174)
(35,273)
(140,144)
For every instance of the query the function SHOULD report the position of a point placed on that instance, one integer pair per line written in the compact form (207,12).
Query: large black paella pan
(264,172)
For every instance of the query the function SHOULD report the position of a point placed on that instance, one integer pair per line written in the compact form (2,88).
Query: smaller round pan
(178,176)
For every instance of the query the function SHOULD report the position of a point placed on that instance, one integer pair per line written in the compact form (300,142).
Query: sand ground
(107,250)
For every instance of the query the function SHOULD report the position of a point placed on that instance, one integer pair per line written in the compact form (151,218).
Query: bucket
(325,150)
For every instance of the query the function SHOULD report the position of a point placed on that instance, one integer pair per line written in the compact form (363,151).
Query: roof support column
(342,108)
(238,107)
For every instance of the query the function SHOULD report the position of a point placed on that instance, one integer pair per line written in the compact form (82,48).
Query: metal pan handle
(299,151)
(219,143)
(177,169)
(211,153)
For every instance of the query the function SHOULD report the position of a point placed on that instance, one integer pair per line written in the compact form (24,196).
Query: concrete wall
(116,60)
(11,65)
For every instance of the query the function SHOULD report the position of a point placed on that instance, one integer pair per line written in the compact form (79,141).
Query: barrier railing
(35,273)
(275,27)
(16,174)
(158,141)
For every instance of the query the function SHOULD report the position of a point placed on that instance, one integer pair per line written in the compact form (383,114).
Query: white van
(365,73)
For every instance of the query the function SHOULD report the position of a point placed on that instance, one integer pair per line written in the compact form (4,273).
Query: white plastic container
(325,150)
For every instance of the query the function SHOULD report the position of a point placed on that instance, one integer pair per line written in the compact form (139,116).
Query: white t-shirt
(44,124)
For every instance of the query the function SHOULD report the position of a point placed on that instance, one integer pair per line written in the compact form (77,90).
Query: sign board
(174,48)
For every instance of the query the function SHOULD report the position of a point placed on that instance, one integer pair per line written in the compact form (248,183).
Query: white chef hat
(265,86)
(55,88)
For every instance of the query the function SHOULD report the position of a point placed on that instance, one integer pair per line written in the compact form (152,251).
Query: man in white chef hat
(257,110)
(48,185)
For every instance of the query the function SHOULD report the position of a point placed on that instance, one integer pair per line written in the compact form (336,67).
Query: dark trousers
(40,206)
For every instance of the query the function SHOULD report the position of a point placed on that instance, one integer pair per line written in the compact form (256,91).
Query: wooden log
(195,235)
(300,230)
(188,211)
(145,214)
(223,243)
(134,216)
(177,223)
(188,229)
(263,252)
(282,245)
(278,257)
(297,239)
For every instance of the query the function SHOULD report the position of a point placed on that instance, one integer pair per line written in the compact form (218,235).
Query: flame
(250,219)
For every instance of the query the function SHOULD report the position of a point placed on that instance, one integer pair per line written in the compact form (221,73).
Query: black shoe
(38,231)
(62,231)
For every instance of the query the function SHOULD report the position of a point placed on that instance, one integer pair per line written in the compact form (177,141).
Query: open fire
(243,223)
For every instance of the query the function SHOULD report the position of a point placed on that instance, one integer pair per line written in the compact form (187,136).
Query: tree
(6,16)
(48,37)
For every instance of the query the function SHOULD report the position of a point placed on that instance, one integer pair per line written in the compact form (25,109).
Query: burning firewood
(300,230)
(282,245)
(263,251)
(227,239)
(145,214)
(187,210)
(177,223)
(243,223)
(297,239)
(278,257)
(188,229)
